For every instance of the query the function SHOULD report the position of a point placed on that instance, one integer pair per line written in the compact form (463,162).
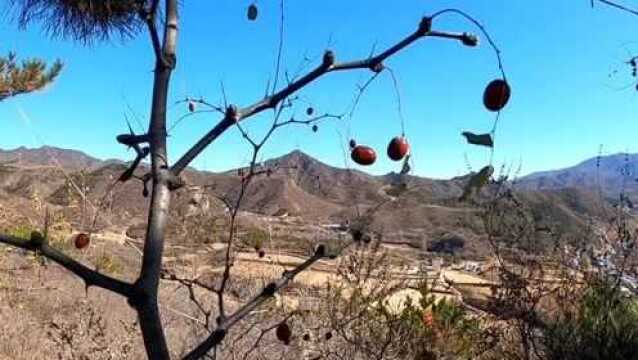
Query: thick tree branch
(91,277)
(328,65)
(147,285)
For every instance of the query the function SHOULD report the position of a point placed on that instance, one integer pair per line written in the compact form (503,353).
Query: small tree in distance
(89,20)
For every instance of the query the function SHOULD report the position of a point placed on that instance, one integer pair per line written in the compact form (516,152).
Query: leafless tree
(89,20)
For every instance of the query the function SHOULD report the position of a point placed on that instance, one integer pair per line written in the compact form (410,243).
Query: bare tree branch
(216,337)
(617,6)
(90,277)
(328,65)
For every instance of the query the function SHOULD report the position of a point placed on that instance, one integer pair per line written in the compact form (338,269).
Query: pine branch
(82,20)
(30,76)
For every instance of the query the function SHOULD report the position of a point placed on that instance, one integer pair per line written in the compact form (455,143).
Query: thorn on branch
(232,113)
(37,239)
(145,179)
(377,67)
(132,139)
(328,59)
(141,154)
(270,289)
(425,25)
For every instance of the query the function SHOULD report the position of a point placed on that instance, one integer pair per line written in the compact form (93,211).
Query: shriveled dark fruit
(310,111)
(82,240)
(356,234)
(352,143)
(398,148)
(315,128)
(283,333)
(366,238)
(496,95)
(363,155)
(261,253)
(191,106)
(328,335)
(252,12)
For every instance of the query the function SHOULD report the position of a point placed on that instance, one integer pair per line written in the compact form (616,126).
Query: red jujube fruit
(398,148)
(496,95)
(82,240)
(363,155)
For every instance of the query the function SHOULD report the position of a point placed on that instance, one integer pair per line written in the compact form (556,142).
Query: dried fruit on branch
(496,95)
(252,12)
(283,332)
(363,155)
(82,240)
(398,148)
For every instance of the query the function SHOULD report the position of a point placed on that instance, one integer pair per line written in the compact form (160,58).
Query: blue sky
(557,54)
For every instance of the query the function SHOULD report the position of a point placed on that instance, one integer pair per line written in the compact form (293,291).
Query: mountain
(314,193)
(610,174)
(49,156)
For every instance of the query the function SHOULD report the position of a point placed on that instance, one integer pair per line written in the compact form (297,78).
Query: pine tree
(31,75)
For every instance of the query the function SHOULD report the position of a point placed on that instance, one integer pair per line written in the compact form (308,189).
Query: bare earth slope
(303,187)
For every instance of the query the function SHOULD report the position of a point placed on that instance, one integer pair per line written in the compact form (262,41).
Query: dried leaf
(477,181)
(478,139)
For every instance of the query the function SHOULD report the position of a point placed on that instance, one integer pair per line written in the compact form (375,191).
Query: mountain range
(611,175)
(314,192)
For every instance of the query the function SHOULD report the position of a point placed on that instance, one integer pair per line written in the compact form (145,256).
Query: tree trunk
(148,282)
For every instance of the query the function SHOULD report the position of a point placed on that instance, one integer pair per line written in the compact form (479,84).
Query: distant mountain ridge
(51,156)
(299,185)
(612,174)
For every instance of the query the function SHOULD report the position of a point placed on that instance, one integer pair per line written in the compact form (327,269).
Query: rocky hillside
(299,186)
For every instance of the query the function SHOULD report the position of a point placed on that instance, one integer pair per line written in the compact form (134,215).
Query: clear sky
(558,55)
